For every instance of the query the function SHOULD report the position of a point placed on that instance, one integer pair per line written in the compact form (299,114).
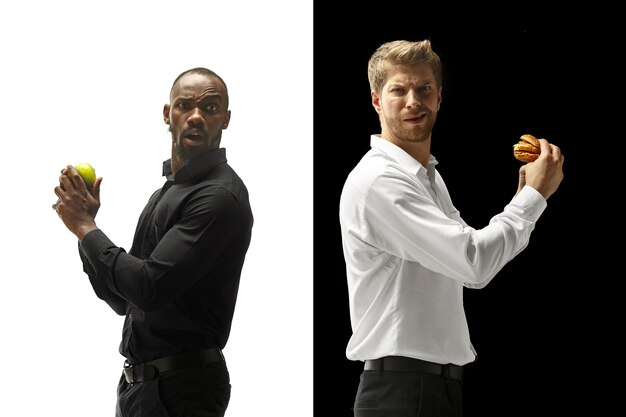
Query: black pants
(203,392)
(407,394)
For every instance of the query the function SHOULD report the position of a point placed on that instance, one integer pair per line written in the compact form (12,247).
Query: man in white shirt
(409,253)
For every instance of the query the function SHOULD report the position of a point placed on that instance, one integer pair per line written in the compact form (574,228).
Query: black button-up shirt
(178,284)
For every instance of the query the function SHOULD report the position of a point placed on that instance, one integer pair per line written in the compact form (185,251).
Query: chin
(186,155)
(416,137)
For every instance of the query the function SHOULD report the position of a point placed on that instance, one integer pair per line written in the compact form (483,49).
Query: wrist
(82,231)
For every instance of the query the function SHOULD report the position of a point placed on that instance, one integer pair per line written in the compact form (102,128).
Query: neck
(176,164)
(420,151)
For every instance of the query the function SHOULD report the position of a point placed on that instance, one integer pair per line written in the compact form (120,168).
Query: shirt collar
(402,157)
(197,168)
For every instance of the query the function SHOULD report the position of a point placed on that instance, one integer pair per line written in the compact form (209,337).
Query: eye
(425,91)
(184,105)
(212,108)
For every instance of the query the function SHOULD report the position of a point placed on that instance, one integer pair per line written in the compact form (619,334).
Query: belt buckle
(139,372)
(129,372)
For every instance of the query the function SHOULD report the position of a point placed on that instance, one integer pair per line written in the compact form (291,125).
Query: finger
(95,190)
(65,183)
(59,191)
(545,146)
(55,205)
(61,182)
(77,180)
(555,153)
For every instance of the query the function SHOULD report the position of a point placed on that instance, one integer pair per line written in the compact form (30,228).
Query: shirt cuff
(531,202)
(94,244)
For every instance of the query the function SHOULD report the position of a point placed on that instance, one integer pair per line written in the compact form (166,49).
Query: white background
(86,81)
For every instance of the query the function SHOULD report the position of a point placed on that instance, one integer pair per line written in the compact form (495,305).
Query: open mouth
(416,119)
(193,139)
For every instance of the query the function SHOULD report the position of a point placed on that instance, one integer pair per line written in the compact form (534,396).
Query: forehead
(195,85)
(410,74)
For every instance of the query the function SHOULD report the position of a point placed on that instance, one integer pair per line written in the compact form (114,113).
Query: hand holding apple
(79,198)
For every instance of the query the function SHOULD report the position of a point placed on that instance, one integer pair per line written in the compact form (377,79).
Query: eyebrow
(404,82)
(201,98)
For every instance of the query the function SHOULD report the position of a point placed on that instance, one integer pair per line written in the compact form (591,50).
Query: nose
(412,99)
(195,117)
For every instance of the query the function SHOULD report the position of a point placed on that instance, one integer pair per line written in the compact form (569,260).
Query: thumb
(95,190)
(522,179)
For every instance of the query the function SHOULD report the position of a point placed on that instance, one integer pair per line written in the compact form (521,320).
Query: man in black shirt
(178,284)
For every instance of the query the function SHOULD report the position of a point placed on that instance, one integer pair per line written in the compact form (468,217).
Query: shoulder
(219,189)
(377,170)
(222,180)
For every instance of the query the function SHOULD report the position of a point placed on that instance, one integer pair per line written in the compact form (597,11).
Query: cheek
(392,108)
(432,104)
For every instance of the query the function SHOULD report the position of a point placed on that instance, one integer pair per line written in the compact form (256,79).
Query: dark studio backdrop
(538,327)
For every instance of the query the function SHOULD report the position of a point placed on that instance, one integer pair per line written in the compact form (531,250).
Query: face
(408,104)
(196,114)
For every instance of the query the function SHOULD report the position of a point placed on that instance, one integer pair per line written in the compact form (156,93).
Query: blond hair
(401,52)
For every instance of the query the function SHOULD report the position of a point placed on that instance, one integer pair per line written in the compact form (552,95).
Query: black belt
(148,370)
(404,364)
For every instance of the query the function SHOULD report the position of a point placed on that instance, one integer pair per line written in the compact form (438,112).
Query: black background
(544,328)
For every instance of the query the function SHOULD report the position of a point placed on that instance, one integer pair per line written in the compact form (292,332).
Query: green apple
(87,173)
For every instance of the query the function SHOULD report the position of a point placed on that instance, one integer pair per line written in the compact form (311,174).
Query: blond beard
(399,130)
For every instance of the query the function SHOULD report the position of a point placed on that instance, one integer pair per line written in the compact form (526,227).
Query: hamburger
(527,149)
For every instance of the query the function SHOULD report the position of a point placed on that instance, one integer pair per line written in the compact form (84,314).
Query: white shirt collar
(402,157)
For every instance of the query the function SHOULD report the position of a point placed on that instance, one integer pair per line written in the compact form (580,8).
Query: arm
(77,208)
(420,231)
(117,303)
(407,223)
(209,228)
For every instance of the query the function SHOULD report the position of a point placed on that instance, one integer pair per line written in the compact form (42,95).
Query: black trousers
(407,394)
(201,392)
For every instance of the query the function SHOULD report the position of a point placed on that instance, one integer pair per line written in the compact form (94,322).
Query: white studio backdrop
(86,81)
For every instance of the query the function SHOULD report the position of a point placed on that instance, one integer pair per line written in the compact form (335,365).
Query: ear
(226,120)
(166,114)
(376,102)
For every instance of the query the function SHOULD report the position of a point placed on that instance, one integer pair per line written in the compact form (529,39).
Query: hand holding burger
(546,174)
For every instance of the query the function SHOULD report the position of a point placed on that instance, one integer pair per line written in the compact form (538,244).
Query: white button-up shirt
(409,254)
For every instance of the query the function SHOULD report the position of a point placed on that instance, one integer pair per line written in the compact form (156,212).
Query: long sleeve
(419,231)
(211,226)
(117,303)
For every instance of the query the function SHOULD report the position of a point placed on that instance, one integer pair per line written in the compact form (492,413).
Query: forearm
(209,230)
(151,283)
(507,234)
(117,303)
(82,231)
(422,233)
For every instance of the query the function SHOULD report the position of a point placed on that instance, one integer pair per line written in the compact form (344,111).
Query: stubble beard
(183,154)
(413,134)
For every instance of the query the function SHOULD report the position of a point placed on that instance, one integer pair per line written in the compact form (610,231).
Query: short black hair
(202,71)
